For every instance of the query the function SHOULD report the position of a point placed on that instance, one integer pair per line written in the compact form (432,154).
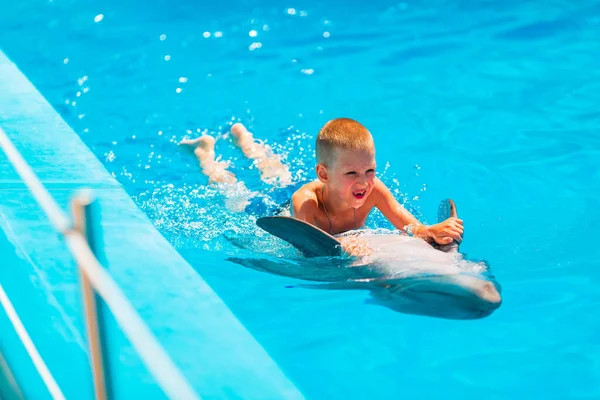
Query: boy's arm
(443,233)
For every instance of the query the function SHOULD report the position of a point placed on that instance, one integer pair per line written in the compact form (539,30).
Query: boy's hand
(447,231)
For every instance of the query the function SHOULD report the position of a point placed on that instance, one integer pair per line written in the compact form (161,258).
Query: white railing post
(81,206)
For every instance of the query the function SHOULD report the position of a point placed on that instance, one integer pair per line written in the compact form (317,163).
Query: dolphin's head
(451,296)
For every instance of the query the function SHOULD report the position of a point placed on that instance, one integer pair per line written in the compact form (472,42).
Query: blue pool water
(493,104)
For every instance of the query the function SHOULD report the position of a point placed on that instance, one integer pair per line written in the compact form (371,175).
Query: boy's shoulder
(379,187)
(308,191)
(381,195)
(305,197)
(380,190)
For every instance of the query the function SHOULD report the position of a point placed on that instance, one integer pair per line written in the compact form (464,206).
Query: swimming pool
(491,104)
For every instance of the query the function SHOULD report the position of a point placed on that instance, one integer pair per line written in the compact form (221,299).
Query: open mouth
(359,194)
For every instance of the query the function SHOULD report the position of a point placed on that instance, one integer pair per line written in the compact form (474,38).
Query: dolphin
(403,273)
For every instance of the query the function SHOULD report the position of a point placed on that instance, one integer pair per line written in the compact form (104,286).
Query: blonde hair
(341,134)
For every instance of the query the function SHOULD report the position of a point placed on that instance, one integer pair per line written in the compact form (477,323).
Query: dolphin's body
(403,273)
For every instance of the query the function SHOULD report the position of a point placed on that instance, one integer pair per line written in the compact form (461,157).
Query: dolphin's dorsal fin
(447,209)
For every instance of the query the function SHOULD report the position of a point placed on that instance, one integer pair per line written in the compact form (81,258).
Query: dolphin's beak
(488,295)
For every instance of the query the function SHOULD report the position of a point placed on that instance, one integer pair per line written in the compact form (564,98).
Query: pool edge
(41,135)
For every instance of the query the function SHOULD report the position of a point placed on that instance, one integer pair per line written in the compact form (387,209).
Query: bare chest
(354,218)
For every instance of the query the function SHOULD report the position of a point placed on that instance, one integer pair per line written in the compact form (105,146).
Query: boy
(346,190)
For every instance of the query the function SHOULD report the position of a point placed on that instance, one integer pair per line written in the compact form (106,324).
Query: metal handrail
(35,356)
(155,358)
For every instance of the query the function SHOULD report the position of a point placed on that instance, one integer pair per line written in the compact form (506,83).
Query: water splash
(222,218)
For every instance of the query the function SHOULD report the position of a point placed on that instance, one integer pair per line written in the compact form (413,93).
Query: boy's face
(351,177)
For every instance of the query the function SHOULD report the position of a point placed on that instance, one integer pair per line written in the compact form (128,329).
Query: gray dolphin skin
(402,273)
